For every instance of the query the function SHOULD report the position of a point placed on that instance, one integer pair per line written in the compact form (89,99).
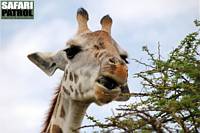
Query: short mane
(51,109)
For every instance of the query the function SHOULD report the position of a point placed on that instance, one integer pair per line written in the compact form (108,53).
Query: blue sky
(26,91)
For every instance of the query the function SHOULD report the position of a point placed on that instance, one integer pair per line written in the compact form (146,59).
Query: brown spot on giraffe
(101,43)
(81,92)
(62,112)
(100,54)
(96,54)
(71,76)
(71,88)
(75,78)
(66,91)
(56,129)
(65,75)
(96,47)
(99,46)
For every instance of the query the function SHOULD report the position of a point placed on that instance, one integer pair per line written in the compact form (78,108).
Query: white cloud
(21,118)
(143,10)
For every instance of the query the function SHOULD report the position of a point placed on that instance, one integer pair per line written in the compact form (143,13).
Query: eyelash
(72,51)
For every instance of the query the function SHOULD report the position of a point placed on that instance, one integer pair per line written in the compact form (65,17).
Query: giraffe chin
(104,95)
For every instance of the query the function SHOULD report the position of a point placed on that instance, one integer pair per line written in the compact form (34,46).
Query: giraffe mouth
(108,82)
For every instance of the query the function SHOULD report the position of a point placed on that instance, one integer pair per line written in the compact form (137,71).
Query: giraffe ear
(48,62)
(124,96)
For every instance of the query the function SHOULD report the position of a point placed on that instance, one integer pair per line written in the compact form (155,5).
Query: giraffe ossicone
(95,71)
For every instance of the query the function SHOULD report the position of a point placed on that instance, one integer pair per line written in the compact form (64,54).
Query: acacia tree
(170,100)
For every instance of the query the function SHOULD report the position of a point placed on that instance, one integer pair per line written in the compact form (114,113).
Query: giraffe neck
(68,114)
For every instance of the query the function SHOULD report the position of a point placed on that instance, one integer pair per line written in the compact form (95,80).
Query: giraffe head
(94,65)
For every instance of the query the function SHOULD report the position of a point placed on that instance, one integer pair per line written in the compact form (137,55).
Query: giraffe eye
(124,57)
(72,51)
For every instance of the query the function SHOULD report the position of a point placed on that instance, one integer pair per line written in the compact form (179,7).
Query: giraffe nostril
(116,61)
(113,60)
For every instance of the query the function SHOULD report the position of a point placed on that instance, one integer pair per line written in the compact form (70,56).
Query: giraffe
(95,71)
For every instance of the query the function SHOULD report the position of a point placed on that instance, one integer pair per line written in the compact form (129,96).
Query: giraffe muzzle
(110,85)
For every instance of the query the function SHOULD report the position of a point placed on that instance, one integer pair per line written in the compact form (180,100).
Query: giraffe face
(94,65)
(96,68)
